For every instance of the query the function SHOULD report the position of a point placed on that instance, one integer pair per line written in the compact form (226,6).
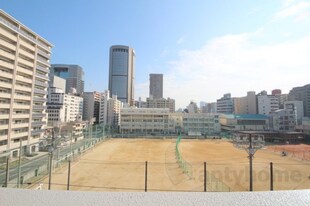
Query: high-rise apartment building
(24,69)
(266,104)
(225,105)
(301,94)
(109,110)
(121,73)
(91,106)
(73,74)
(246,105)
(63,107)
(156,86)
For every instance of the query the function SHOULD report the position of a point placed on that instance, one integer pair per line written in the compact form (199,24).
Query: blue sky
(204,48)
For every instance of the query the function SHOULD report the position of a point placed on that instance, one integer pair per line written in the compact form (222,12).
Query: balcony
(5,84)
(25,62)
(39,91)
(43,60)
(43,69)
(5,95)
(6,64)
(5,105)
(4,126)
(25,71)
(39,107)
(23,79)
(37,132)
(8,45)
(42,84)
(8,34)
(27,54)
(19,134)
(20,125)
(22,97)
(27,45)
(20,116)
(21,106)
(38,123)
(42,76)
(4,116)
(23,88)
(34,115)
(7,55)
(39,99)
(44,54)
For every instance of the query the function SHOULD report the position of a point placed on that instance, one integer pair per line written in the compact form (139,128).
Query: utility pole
(251,154)
(19,162)
(7,173)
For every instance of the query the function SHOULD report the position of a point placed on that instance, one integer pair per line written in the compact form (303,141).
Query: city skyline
(218,47)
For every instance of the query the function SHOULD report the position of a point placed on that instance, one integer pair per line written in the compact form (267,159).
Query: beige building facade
(24,69)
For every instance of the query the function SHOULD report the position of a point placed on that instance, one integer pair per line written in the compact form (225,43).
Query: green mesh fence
(185,166)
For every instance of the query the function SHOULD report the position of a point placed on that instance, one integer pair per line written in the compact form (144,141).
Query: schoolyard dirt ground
(120,165)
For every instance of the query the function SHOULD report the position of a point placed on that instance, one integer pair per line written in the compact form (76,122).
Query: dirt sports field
(119,165)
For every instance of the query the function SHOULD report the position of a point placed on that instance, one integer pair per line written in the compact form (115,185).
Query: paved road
(41,160)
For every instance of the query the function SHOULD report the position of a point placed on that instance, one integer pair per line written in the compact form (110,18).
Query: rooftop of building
(246,116)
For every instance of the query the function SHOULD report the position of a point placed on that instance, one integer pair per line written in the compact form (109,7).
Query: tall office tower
(73,74)
(156,86)
(24,68)
(91,106)
(301,94)
(121,73)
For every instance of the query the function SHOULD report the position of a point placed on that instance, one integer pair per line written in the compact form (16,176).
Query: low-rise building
(147,121)
(244,122)
(161,103)
(201,124)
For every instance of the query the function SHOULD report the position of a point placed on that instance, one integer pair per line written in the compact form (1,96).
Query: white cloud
(298,10)
(234,63)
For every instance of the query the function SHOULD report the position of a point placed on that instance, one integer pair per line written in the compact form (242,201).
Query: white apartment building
(63,107)
(267,104)
(148,121)
(201,124)
(24,69)
(298,108)
(192,107)
(283,120)
(109,114)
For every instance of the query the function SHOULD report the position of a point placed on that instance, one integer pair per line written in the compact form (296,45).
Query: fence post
(271,176)
(69,172)
(7,172)
(205,176)
(50,170)
(145,187)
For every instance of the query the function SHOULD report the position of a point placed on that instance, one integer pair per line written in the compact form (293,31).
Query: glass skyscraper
(73,74)
(121,73)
